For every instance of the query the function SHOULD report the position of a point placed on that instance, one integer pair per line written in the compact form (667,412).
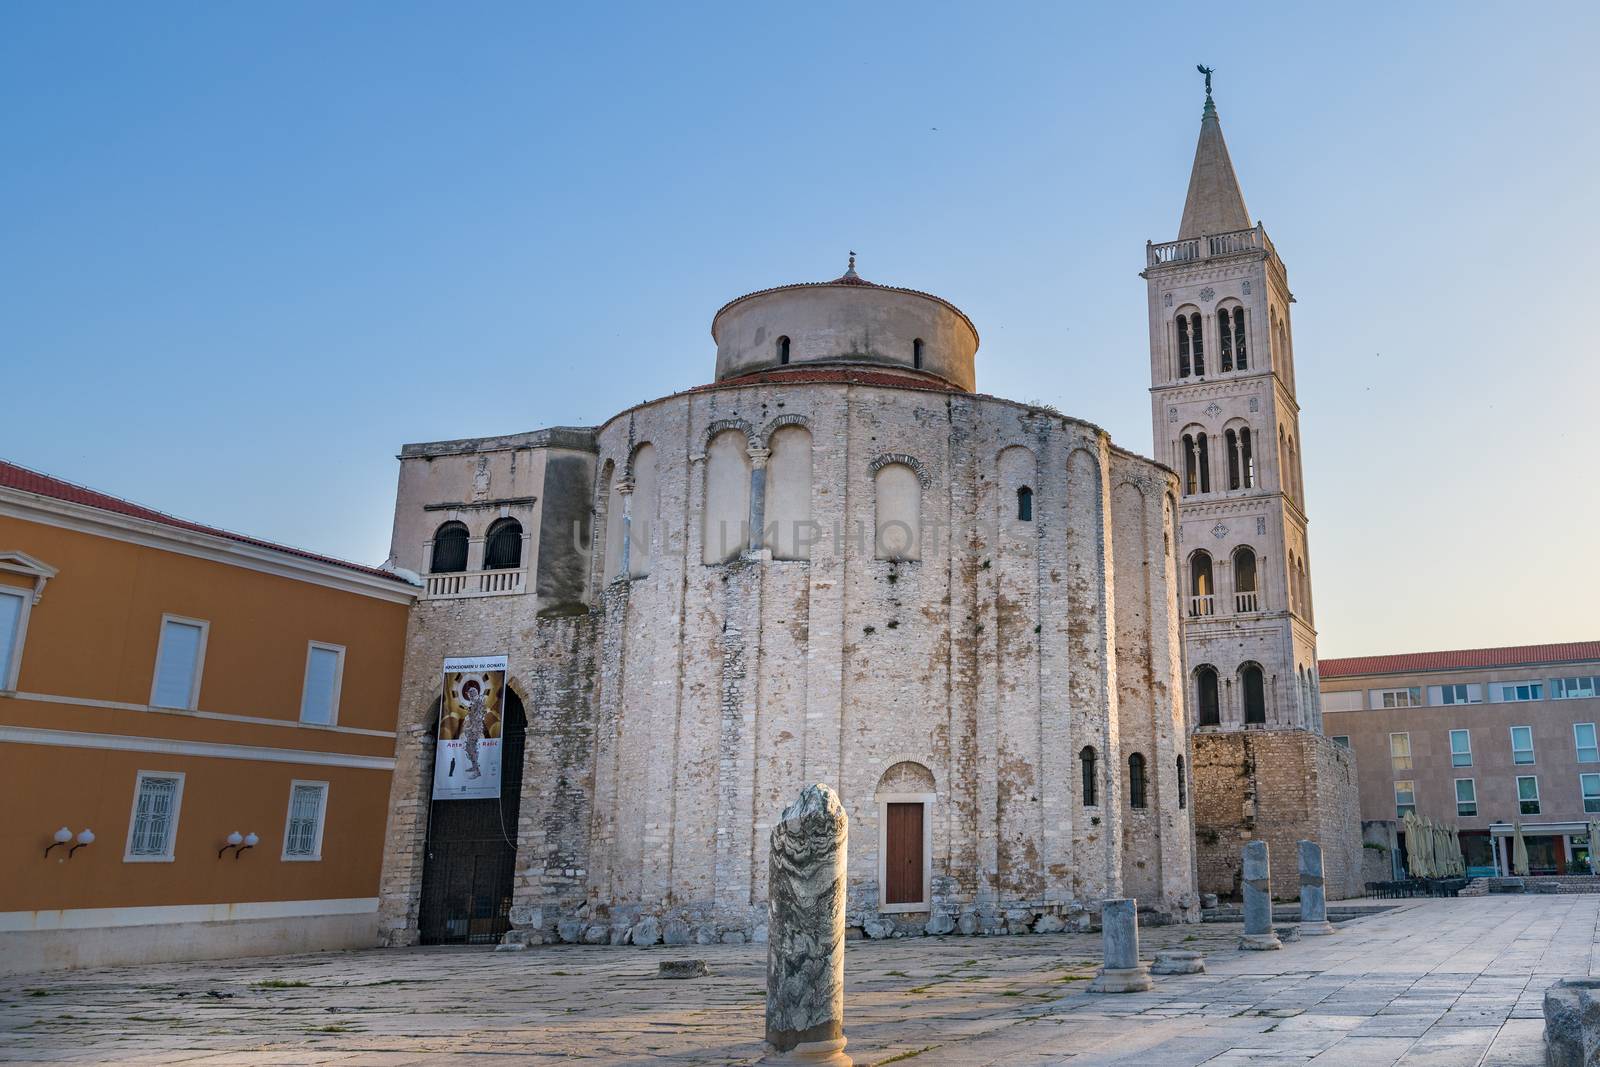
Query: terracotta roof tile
(1417,662)
(30,481)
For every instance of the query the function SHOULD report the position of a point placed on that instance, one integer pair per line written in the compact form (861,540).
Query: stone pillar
(625,491)
(1258,935)
(1313,897)
(758,498)
(1122,973)
(805,932)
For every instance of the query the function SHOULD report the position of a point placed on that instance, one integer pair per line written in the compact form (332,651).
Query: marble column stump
(805,932)
(1258,935)
(1313,896)
(1122,973)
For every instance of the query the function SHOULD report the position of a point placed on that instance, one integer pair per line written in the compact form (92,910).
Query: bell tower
(1227,421)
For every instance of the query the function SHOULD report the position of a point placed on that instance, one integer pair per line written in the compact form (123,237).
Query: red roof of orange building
(31,481)
(1467,658)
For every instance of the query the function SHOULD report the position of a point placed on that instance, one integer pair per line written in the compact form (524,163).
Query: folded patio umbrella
(1594,846)
(1519,850)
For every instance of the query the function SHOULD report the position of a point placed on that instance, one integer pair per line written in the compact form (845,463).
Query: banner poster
(466,763)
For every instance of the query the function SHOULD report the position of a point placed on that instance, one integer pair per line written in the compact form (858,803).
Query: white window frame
(322,822)
(1584,796)
(1535,692)
(1410,761)
(926,800)
(1473,782)
(1453,753)
(1342,739)
(133,818)
(1389,700)
(8,681)
(1561,683)
(1536,799)
(1578,746)
(1531,749)
(338,682)
(199,661)
(1413,784)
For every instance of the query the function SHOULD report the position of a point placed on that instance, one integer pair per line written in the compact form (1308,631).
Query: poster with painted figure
(466,763)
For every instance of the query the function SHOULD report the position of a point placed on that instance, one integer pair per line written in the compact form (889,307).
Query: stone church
(839,562)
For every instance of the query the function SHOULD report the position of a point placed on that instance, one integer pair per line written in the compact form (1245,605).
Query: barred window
(302,835)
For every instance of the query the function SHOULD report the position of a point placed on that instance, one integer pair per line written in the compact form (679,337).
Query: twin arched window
(1230,328)
(1136,781)
(1191,345)
(1245,595)
(1241,459)
(1196,464)
(1205,678)
(1087,759)
(502,547)
(1254,687)
(1201,592)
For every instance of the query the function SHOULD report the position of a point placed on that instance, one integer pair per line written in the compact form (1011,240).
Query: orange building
(197,735)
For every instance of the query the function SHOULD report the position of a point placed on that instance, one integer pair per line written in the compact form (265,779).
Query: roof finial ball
(850,271)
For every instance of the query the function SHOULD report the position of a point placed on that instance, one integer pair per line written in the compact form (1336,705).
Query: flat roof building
(1480,738)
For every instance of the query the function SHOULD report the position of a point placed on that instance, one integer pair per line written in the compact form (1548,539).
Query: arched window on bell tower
(1197,344)
(1184,354)
(1240,359)
(1201,601)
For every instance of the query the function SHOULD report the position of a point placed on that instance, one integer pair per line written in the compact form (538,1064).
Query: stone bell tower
(1226,419)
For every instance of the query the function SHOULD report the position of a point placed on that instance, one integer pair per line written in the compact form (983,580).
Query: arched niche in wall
(898,521)
(642,513)
(787,512)
(727,509)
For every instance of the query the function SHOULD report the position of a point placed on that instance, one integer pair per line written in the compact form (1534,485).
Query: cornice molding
(80,518)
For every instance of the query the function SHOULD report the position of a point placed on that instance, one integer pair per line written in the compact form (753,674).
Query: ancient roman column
(1122,972)
(805,932)
(1258,933)
(1313,898)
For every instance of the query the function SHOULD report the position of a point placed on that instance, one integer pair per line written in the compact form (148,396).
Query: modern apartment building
(1481,738)
(197,733)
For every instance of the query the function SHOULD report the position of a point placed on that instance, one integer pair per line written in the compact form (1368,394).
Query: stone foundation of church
(1281,787)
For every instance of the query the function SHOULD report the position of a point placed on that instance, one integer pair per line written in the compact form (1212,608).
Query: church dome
(848,320)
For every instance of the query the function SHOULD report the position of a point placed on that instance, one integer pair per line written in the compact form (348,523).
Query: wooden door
(903,858)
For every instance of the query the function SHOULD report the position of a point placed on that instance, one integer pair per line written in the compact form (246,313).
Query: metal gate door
(470,861)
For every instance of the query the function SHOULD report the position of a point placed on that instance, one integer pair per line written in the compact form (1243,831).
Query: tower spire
(1215,203)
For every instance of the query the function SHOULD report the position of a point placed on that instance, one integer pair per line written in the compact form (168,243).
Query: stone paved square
(1432,982)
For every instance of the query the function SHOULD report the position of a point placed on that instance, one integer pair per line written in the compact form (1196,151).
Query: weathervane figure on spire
(1207,71)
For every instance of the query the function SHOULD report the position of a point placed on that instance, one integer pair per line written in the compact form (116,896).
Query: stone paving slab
(1432,983)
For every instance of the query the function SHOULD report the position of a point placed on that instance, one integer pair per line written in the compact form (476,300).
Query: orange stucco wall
(93,638)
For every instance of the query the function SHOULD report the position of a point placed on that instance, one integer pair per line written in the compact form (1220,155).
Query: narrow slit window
(1087,759)
(783,350)
(1024,504)
(1183,786)
(1136,782)
(916,353)
(1183,346)
(1198,340)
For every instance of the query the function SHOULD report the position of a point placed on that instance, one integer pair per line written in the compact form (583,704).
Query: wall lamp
(64,836)
(240,843)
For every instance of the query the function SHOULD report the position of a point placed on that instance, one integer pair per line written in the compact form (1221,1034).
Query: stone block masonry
(1281,787)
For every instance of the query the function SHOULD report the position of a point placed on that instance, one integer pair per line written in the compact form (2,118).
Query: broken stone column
(1313,896)
(805,946)
(1258,935)
(1122,973)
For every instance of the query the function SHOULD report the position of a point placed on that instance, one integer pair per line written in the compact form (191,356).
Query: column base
(1317,929)
(1122,980)
(823,1053)
(1260,942)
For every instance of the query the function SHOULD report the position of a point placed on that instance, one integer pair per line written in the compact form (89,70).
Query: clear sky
(247,251)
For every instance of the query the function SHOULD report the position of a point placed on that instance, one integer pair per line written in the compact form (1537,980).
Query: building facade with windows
(1226,418)
(1481,738)
(196,735)
(835,563)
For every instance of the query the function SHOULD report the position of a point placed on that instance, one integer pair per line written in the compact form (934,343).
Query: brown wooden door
(903,863)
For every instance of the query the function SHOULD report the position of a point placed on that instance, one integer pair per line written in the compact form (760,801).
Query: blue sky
(250,251)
